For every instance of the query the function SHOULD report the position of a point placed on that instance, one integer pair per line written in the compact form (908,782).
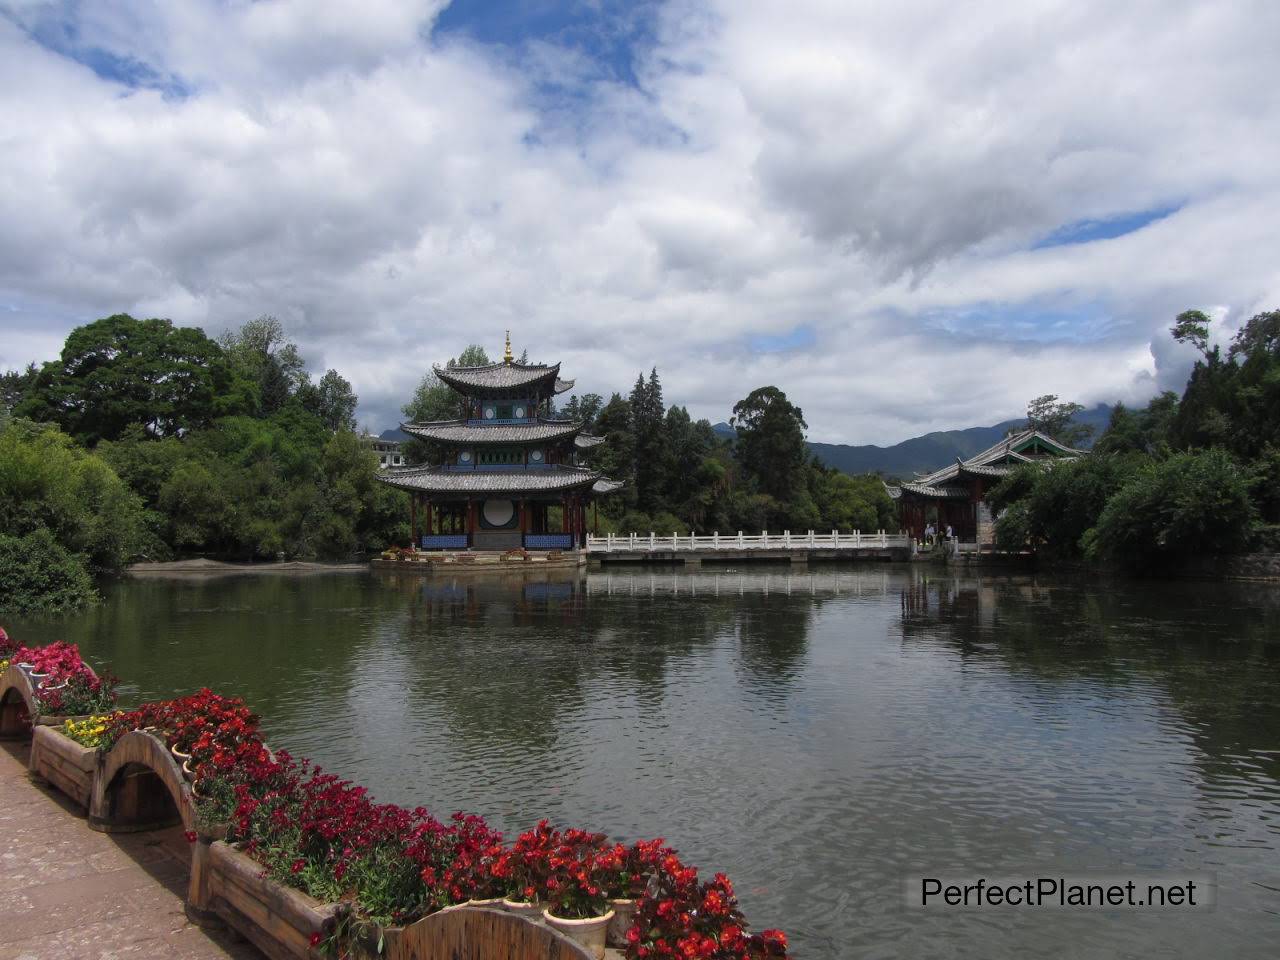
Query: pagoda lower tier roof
(443,480)
(466,432)
(503,378)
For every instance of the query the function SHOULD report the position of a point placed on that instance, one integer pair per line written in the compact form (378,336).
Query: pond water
(819,736)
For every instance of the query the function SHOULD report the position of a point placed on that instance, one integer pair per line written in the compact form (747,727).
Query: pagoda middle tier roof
(473,432)
(503,378)
(444,480)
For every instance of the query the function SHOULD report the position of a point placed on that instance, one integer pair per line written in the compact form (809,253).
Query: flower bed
(62,683)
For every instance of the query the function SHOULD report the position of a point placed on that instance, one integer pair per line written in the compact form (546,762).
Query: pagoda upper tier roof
(466,432)
(444,480)
(504,378)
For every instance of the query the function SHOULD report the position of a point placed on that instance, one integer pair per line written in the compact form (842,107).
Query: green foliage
(432,400)
(770,444)
(1193,504)
(39,575)
(1192,326)
(1054,419)
(1053,505)
(47,483)
(119,371)
(1141,431)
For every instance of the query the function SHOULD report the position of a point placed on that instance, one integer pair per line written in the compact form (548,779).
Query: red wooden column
(413,519)
(595,517)
(427,509)
(471,521)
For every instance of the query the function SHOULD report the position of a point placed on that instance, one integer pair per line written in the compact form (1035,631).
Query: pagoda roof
(501,378)
(584,441)
(605,485)
(553,479)
(997,460)
(471,432)
(923,490)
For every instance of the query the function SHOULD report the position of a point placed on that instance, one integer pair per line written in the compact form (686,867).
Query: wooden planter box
(472,933)
(64,763)
(278,920)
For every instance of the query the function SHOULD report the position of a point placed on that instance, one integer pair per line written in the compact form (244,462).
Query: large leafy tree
(120,371)
(770,445)
(1056,419)
(263,356)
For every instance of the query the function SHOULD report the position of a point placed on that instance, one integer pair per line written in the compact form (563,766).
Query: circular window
(535,456)
(519,413)
(465,456)
(498,513)
(490,413)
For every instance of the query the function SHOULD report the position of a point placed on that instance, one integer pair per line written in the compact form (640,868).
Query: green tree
(433,400)
(1192,326)
(1056,419)
(1190,505)
(15,385)
(770,445)
(334,402)
(652,454)
(266,359)
(120,371)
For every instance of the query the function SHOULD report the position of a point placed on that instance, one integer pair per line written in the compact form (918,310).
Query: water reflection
(818,735)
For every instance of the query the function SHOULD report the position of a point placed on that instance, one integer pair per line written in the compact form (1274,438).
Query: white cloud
(855,170)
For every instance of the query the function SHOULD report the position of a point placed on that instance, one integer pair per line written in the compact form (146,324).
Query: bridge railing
(809,540)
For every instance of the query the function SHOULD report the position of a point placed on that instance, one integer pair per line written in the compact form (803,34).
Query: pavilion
(499,469)
(956,494)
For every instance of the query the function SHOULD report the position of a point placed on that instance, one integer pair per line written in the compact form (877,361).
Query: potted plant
(577,889)
(627,872)
(526,868)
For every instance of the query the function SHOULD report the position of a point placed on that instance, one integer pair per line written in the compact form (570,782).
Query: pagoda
(502,465)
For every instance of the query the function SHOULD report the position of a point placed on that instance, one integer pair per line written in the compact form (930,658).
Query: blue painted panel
(453,541)
(548,541)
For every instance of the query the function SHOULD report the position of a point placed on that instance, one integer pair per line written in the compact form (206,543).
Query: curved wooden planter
(228,885)
(67,765)
(19,708)
(474,933)
(17,704)
(140,787)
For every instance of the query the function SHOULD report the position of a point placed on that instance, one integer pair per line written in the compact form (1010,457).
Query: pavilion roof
(440,480)
(990,460)
(470,432)
(924,490)
(584,441)
(503,377)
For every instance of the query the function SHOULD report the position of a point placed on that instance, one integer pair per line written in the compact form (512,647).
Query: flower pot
(624,914)
(46,685)
(188,769)
(530,910)
(590,933)
(179,755)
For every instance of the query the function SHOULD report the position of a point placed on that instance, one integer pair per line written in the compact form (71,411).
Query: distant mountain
(395,434)
(929,452)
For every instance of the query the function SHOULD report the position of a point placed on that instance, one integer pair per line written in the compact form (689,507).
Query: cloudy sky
(908,216)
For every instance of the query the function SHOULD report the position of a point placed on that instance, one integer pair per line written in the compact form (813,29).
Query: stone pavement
(73,894)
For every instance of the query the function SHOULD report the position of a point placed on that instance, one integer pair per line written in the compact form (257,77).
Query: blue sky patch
(797,338)
(62,36)
(1086,231)
(1032,322)
(609,32)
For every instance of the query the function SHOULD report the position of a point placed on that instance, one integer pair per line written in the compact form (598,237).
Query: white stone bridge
(723,548)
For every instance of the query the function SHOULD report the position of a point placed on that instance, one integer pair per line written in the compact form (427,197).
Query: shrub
(38,575)
(1189,505)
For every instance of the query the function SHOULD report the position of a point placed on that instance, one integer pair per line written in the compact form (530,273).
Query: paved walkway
(73,894)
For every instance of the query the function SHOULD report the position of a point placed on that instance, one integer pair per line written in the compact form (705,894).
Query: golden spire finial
(506,357)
